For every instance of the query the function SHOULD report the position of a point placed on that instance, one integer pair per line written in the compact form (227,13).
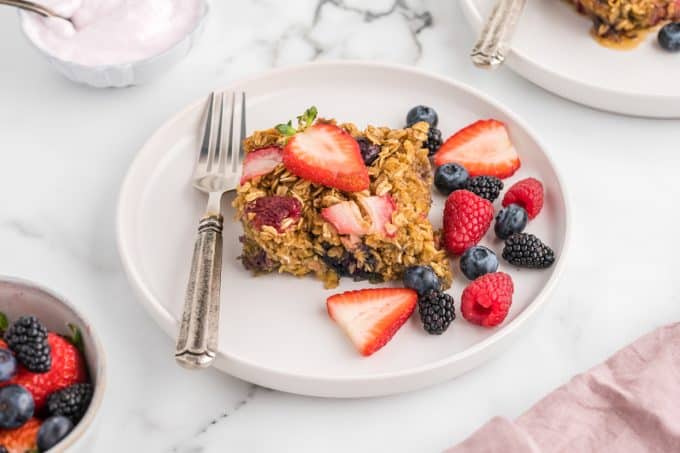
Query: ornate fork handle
(197,341)
(494,42)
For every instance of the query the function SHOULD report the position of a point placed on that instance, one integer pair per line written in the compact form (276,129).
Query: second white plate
(553,48)
(274,329)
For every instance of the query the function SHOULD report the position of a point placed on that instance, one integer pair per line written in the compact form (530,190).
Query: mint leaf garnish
(4,322)
(286,129)
(306,119)
(75,337)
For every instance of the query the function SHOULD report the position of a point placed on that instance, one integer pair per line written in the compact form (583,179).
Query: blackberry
(71,402)
(434,141)
(526,250)
(27,337)
(369,150)
(488,187)
(436,311)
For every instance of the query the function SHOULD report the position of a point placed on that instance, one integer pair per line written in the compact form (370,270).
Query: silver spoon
(33,7)
(494,41)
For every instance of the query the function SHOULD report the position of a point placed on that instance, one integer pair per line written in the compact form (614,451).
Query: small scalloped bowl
(20,297)
(124,74)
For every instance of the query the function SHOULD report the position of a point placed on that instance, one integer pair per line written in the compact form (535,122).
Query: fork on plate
(217,171)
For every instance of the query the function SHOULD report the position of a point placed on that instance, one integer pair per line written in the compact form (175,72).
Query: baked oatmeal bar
(285,218)
(616,19)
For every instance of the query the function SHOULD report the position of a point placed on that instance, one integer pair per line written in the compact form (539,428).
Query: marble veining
(65,150)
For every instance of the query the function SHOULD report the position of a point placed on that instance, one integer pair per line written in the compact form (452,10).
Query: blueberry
(477,261)
(422,113)
(16,406)
(422,279)
(510,220)
(369,150)
(450,177)
(669,37)
(8,365)
(52,431)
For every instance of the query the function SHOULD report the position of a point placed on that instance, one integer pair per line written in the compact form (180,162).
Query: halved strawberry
(327,155)
(483,148)
(347,218)
(260,162)
(371,317)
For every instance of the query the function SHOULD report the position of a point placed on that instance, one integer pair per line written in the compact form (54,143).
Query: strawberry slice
(260,162)
(327,155)
(347,219)
(483,148)
(371,317)
(380,210)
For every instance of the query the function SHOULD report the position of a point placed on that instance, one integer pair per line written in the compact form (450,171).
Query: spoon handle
(33,7)
(494,41)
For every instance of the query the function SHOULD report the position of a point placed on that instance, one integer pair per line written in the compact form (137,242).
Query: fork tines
(213,158)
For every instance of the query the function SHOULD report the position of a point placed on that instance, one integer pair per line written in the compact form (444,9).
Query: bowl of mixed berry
(51,371)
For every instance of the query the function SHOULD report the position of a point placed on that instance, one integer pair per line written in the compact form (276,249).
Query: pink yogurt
(108,32)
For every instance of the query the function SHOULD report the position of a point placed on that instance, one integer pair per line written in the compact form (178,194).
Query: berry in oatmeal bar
(347,218)
(260,162)
(373,234)
(369,150)
(274,211)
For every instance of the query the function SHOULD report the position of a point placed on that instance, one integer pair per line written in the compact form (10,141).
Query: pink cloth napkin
(628,404)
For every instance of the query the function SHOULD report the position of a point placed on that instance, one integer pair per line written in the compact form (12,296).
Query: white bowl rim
(151,59)
(99,387)
(169,324)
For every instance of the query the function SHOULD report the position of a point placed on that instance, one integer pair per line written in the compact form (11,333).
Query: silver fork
(217,171)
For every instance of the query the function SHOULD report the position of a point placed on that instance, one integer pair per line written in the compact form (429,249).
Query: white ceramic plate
(553,48)
(274,330)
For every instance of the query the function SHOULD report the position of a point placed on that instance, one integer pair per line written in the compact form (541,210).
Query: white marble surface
(65,148)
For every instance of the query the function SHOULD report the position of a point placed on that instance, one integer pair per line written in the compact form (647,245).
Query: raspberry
(527,193)
(21,439)
(274,211)
(467,217)
(486,301)
(488,187)
(27,338)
